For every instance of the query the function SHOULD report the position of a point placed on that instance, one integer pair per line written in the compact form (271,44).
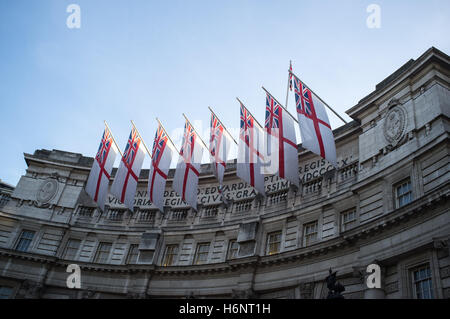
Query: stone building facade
(386,204)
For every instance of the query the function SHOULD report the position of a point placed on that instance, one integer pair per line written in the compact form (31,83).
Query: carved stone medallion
(395,125)
(47,191)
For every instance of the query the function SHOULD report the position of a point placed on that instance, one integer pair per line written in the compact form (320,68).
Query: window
(273,243)
(233,247)
(5,292)
(348,219)
(133,253)
(170,255)
(310,233)
(103,251)
(72,249)
(422,285)
(403,193)
(25,240)
(201,255)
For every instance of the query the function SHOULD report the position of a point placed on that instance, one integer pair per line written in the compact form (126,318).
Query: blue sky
(137,60)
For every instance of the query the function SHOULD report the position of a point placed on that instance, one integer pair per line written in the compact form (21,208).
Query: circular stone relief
(394,125)
(47,191)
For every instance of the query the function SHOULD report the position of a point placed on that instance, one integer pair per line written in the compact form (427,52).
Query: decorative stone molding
(395,121)
(442,246)
(47,191)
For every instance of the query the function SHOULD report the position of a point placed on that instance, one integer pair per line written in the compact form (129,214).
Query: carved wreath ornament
(395,124)
(47,191)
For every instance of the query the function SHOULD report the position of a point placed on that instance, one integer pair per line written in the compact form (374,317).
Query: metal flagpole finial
(114,140)
(225,129)
(143,143)
(196,132)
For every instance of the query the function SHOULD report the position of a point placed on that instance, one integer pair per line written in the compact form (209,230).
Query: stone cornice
(346,239)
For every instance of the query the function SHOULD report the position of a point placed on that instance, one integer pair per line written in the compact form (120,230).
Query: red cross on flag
(126,179)
(250,157)
(98,180)
(281,143)
(159,168)
(185,181)
(219,145)
(315,128)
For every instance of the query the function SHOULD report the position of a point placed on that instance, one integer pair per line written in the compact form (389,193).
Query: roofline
(415,66)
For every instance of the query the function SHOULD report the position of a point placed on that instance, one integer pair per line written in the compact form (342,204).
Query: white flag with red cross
(98,180)
(315,128)
(159,168)
(219,146)
(281,144)
(187,173)
(126,179)
(250,157)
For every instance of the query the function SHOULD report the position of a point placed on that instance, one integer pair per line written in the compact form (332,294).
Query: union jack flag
(159,144)
(249,166)
(304,93)
(273,114)
(188,146)
(103,149)
(246,125)
(131,149)
(314,125)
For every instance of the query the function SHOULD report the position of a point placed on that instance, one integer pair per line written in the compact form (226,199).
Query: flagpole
(250,114)
(173,144)
(196,133)
(222,125)
(118,148)
(145,146)
(280,105)
(320,99)
(288,85)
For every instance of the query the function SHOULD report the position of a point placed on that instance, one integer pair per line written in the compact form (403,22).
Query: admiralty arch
(386,204)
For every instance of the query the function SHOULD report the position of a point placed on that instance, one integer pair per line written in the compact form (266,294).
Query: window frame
(353,222)
(197,252)
(129,254)
(19,238)
(268,243)
(172,254)
(231,242)
(412,270)
(97,252)
(396,187)
(64,255)
(305,225)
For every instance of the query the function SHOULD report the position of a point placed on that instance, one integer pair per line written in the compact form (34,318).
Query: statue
(334,288)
